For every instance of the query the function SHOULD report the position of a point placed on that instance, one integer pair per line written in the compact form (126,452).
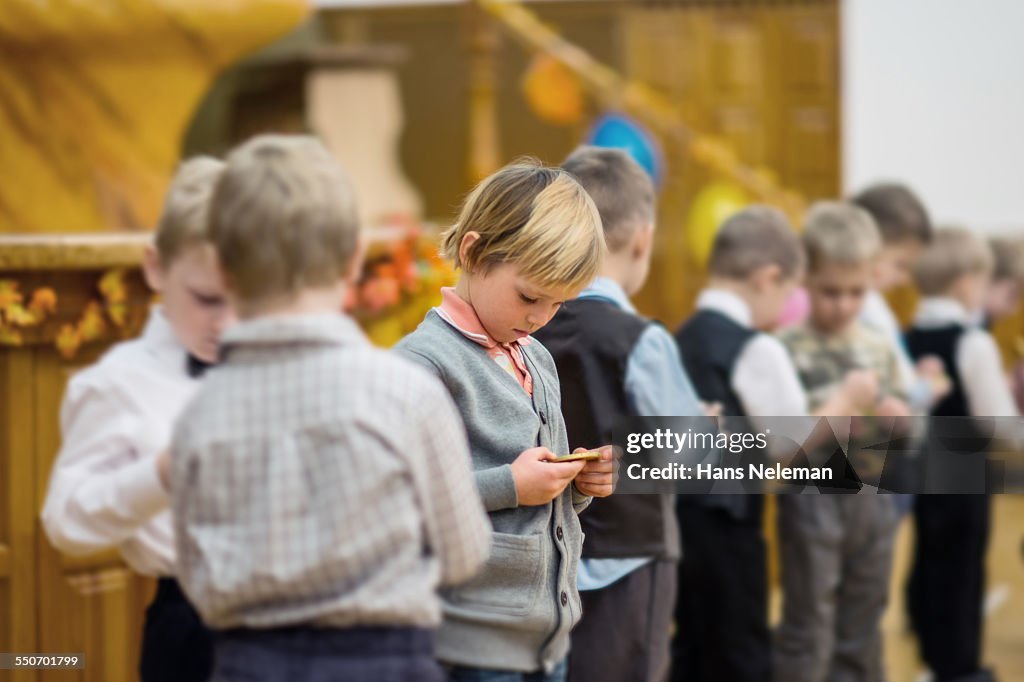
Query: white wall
(933,95)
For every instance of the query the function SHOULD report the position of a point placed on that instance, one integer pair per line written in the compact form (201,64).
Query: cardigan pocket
(511,580)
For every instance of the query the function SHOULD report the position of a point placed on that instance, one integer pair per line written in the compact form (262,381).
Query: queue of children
(317,509)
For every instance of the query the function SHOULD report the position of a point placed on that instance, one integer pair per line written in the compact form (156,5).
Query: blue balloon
(617,131)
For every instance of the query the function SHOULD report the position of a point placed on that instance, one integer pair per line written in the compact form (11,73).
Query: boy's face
(193,296)
(836,295)
(970,290)
(509,305)
(894,265)
(1002,298)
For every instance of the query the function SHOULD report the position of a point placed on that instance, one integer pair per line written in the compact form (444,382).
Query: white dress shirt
(116,417)
(977,357)
(764,378)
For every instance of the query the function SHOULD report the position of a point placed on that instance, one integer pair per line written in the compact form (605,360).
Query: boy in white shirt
(906,230)
(947,581)
(106,486)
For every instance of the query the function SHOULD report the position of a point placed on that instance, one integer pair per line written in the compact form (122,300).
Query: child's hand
(930,369)
(711,409)
(860,389)
(892,407)
(538,480)
(598,477)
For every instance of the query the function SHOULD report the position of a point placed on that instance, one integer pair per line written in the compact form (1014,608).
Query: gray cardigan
(516,613)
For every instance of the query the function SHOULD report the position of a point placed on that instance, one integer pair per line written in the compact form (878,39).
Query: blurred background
(724,102)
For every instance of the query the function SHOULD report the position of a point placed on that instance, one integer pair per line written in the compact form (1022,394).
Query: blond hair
(753,238)
(537,218)
(283,217)
(621,190)
(183,220)
(953,253)
(1008,259)
(838,233)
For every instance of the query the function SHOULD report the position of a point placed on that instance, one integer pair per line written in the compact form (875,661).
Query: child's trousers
(836,556)
(947,583)
(310,654)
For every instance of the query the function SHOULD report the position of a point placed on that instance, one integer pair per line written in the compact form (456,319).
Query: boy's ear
(767,275)
(465,245)
(153,268)
(643,241)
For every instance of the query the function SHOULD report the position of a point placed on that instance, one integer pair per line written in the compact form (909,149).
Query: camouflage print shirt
(822,362)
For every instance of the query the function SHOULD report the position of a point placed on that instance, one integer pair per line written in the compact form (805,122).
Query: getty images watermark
(717,455)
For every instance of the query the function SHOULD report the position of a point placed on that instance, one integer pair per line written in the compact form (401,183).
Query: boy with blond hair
(321,487)
(528,238)
(836,549)
(626,365)
(106,488)
(947,581)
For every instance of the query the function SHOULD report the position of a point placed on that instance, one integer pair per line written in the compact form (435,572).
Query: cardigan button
(543,419)
(558,533)
(565,599)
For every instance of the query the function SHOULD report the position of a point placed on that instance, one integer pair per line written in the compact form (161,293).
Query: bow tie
(196,367)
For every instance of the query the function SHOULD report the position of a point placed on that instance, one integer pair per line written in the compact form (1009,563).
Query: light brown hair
(755,237)
(953,253)
(620,188)
(839,233)
(183,222)
(897,211)
(283,217)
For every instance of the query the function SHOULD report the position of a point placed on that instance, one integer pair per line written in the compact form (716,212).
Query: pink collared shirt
(460,315)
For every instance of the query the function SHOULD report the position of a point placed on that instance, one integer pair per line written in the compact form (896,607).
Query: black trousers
(176,646)
(722,608)
(625,631)
(946,590)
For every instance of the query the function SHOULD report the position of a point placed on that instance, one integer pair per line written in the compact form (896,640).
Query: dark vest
(942,342)
(710,342)
(591,340)
(950,460)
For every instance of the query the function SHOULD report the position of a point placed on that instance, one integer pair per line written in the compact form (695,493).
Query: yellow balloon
(712,206)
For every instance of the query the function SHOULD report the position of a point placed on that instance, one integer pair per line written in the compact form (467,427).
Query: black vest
(710,342)
(591,340)
(950,458)
(941,342)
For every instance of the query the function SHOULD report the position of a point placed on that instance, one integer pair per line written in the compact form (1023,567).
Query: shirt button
(558,533)
(565,599)
(543,419)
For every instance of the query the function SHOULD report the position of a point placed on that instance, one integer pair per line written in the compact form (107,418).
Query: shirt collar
(461,315)
(726,303)
(607,288)
(325,328)
(940,311)
(159,337)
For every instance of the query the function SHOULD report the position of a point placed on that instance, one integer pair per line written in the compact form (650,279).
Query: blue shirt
(656,385)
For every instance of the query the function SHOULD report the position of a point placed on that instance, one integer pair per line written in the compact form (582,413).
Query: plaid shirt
(318,480)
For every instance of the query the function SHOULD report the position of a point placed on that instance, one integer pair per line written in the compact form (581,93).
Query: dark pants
(309,654)
(464,674)
(624,634)
(176,646)
(722,608)
(946,590)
